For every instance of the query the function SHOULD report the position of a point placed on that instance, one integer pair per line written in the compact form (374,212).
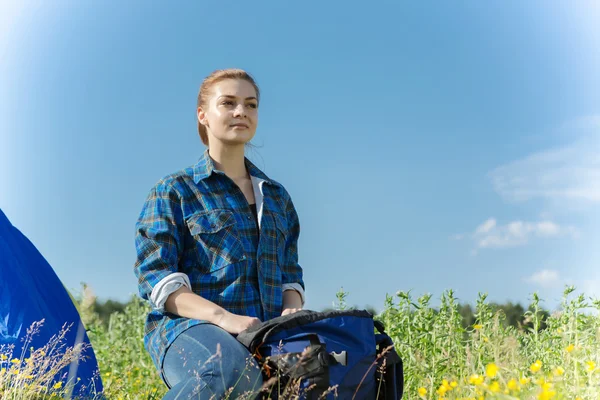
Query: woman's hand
(290,311)
(235,324)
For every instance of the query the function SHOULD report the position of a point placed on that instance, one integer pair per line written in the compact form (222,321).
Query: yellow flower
(485,339)
(491,370)
(29,377)
(559,371)
(15,361)
(591,366)
(3,370)
(453,384)
(446,385)
(57,385)
(512,384)
(495,387)
(570,348)
(422,391)
(524,381)
(536,366)
(3,357)
(476,379)
(559,331)
(442,390)
(477,326)
(107,374)
(547,395)
(546,386)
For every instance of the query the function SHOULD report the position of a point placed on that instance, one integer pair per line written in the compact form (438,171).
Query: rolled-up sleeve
(158,240)
(292,272)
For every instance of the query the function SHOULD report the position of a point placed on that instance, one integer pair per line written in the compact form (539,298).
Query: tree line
(514,312)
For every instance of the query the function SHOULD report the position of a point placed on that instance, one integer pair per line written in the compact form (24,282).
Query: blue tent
(30,291)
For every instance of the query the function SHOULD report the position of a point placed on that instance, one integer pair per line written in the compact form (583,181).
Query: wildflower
(524,381)
(536,366)
(485,339)
(453,384)
(570,348)
(547,393)
(491,370)
(107,374)
(15,361)
(422,391)
(3,370)
(3,357)
(590,366)
(495,387)
(559,371)
(442,390)
(512,384)
(446,385)
(477,326)
(476,379)
(29,377)
(57,385)
(559,331)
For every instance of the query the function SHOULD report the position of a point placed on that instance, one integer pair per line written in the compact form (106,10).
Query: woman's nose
(240,111)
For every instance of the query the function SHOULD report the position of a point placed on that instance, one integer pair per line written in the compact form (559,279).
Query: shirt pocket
(215,235)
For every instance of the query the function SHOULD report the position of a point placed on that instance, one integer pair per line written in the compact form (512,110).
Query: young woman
(216,251)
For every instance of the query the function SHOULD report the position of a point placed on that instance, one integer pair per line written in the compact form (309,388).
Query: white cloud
(486,226)
(516,233)
(564,174)
(545,278)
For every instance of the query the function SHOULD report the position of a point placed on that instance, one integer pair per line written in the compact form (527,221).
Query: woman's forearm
(185,303)
(292,299)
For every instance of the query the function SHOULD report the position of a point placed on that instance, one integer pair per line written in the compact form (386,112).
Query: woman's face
(231,115)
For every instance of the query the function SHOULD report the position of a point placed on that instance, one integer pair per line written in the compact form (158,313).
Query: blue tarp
(31,291)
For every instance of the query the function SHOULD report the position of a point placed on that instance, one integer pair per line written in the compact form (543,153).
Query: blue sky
(426,145)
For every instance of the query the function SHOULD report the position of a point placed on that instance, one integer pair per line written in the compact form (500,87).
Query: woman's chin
(236,138)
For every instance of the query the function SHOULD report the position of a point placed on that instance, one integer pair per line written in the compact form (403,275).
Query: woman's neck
(230,160)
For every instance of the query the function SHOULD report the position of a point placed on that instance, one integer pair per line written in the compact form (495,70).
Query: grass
(442,359)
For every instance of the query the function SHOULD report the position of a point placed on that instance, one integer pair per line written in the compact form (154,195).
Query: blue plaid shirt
(197,221)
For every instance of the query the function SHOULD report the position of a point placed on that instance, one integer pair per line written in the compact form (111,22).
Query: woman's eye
(227,103)
(252,105)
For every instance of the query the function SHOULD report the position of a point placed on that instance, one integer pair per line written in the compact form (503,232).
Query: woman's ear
(202,116)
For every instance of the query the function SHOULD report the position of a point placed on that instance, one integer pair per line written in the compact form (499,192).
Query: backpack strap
(391,381)
(253,337)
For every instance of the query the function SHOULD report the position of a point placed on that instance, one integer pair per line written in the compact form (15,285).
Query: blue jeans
(194,369)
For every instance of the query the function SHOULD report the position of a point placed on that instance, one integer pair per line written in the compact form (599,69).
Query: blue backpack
(336,353)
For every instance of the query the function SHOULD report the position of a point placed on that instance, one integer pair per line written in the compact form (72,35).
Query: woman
(216,251)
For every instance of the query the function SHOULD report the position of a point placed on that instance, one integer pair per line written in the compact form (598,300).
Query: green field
(557,358)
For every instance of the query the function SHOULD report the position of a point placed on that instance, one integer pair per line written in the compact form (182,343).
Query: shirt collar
(206,167)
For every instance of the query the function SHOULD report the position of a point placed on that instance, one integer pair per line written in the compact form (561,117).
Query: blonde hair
(205,91)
